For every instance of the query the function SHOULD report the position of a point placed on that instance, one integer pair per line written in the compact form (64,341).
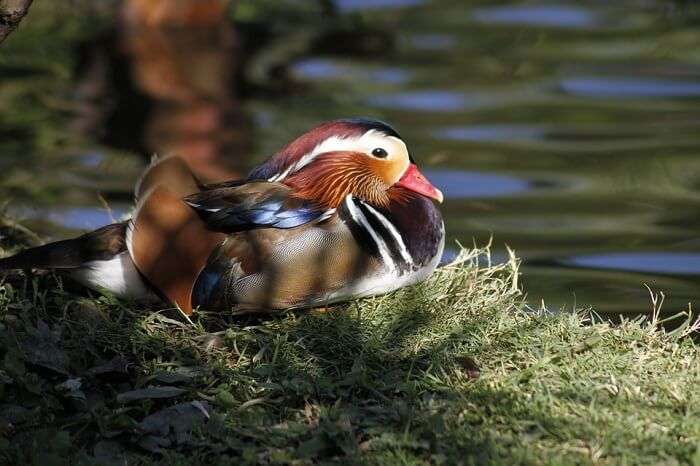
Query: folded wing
(253,205)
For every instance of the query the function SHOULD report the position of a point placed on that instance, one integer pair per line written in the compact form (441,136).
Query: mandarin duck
(341,212)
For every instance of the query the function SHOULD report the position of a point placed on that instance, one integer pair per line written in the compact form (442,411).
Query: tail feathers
(101,244)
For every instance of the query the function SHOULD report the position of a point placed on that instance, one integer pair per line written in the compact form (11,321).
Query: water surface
(567,131)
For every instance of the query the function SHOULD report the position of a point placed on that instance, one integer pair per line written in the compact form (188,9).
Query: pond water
(567,131)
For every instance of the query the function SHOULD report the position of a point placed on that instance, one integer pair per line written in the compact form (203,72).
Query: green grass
(455,371)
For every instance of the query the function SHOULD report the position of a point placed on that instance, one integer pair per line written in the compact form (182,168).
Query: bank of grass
(455,371)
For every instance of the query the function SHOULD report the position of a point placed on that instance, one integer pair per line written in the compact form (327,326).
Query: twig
(11,13)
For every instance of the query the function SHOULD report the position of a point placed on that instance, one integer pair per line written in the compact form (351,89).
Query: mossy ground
(454,371)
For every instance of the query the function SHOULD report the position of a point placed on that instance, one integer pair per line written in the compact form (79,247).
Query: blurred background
(569,131)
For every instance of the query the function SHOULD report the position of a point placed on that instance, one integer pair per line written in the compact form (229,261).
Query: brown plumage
(170,245)
(169,242)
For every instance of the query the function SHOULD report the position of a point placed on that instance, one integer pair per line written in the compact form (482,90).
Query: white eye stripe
(365,143)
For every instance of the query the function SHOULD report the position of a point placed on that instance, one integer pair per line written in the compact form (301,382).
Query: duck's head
(363,157)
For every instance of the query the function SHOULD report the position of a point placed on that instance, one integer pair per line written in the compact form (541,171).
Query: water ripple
(320,69)
(76,218)
(489,133)
(457,184)
(358,5)
(557,16)
(680,263)
(427,100)
(629,87)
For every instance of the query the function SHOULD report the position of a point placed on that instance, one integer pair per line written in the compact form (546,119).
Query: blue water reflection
(321,68)
(355,5)
(577,138)
(92,159)
(487,133)
(427,100)
(678,263)
(83,218)
(432,41)
(629,87)
(456,184)
(559,16)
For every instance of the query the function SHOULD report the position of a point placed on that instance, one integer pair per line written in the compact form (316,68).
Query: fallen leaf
(117,365)
(149,393)
(154,444)
(40,347)
(173,424)
(70,385)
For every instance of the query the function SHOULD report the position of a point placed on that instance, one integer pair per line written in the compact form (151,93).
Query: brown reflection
(182,56)
(170,67)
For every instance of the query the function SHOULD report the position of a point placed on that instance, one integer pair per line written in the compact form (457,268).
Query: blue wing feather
(253,205)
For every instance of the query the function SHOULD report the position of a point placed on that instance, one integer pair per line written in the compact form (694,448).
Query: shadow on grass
(445,372)
(451,371)
(89,380)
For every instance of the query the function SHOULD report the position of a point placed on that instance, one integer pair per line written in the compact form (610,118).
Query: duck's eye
(379,152)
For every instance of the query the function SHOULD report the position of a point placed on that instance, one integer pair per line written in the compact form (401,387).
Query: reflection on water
(92,160)
(579,138)
(630,87)
(179,62)
(680,263)
(558,16)
(494,133)
(456,184)
(426,100)
(319,69)
(567,131)
(431,41)
(84,218)
(74,218)
(362,5)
